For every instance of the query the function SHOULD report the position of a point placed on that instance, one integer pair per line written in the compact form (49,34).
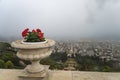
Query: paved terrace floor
(11,74)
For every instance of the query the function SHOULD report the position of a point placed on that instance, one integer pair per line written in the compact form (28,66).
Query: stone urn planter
(34,52)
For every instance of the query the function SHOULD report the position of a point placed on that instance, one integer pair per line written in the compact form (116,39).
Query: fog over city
(61,19)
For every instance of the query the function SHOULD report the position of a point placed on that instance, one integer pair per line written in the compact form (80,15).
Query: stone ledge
(12,74)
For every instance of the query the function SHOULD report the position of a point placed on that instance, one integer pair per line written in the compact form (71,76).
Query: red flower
(24,33)
(35,35)
(41,35)
(38,30)
(33,31)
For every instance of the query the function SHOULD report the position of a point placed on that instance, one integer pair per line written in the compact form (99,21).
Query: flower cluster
(33,36)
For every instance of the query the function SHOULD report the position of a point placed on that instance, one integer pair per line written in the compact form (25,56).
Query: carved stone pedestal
(34,53)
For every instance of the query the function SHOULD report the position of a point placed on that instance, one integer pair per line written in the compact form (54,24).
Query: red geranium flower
(33,30)
(41,35)
(38,30)
(33,36)
(24,33)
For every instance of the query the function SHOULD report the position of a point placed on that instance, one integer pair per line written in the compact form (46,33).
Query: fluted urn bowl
(33,52)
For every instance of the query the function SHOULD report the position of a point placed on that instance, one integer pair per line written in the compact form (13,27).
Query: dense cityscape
(108,50)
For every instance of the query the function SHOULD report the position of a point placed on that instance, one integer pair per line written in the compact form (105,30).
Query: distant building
(71,53)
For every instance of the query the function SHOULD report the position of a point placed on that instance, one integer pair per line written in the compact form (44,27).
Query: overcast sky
(60,18)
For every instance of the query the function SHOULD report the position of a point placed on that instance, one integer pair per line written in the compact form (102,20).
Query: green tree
(4,46)
(47,61)
(9,64)
(7,56)
(60,56)
(58,66)
(106,69)
(53,64)
(2,63)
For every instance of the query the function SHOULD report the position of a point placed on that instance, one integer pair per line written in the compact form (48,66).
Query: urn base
(35,76)
(35,67)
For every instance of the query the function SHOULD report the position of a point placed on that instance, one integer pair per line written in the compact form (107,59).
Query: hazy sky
(60,18)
